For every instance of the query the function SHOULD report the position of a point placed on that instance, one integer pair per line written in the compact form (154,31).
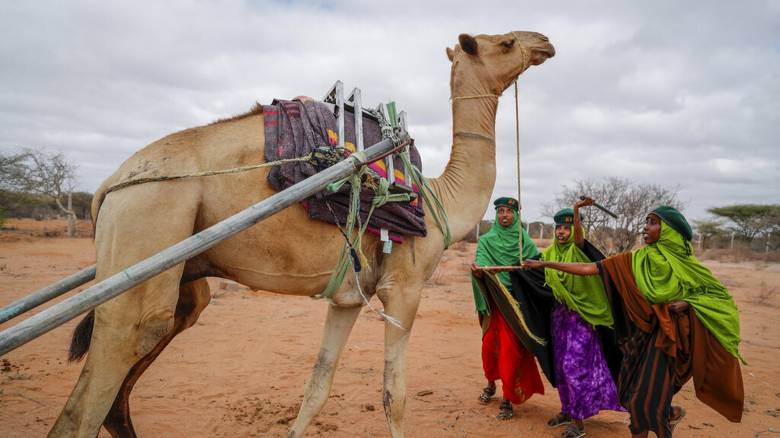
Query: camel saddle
(296,128)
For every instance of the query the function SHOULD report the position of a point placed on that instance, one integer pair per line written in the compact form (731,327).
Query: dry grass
(48,228)
(738,255)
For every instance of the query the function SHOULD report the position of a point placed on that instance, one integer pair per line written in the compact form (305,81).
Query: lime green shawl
(582,294)
(668,271)
(498,247)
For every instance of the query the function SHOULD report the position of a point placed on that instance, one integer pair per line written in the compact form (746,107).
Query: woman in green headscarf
(674,321)
(503,355)
(585,383)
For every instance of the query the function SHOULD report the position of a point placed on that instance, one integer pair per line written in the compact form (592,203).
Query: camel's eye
(508,44)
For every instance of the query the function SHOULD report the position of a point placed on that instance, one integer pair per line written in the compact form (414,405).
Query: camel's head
(494,61)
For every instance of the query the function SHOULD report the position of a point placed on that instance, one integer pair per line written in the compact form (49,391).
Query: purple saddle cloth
(298,127)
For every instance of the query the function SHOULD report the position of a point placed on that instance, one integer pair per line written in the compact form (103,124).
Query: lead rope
(517,151)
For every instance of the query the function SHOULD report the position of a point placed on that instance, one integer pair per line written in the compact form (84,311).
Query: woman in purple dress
(585,384)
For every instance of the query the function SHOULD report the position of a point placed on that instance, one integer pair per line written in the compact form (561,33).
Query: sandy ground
(240,371)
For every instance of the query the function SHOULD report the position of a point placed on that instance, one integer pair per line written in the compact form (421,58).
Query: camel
(287,253)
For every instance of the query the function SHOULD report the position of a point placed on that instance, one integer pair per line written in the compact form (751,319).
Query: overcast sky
(668,92)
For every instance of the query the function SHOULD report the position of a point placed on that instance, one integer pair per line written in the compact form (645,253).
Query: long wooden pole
(50,292)
(519,198)
(500,268)
(103,291)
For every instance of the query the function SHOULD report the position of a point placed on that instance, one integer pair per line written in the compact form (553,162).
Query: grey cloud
(656,92)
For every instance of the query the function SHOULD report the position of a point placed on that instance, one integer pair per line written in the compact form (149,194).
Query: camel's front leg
(400,304)
(337,328)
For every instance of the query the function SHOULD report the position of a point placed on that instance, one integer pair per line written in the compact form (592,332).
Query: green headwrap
(675,219)
(507,202)
(582,294)
(565,216)
(668,271)
(498,247)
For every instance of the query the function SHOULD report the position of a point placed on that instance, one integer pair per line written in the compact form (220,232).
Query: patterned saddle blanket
(296,128)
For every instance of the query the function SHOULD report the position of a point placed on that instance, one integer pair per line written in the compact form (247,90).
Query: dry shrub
(46,228)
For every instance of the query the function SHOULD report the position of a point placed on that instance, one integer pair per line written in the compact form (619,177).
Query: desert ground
(241,370)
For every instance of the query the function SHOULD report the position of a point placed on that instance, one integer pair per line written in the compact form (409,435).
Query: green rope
(381,197)
(382,194)
(337,278)
(336,185)
(429,197)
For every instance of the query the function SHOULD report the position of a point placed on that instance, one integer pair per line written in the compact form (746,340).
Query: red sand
(240,371)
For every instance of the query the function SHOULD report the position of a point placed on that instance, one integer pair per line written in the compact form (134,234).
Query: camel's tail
(82,336)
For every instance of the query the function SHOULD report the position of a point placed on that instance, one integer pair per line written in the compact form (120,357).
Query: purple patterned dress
(585,385)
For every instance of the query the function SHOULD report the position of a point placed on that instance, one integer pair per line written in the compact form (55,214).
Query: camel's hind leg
(338,325)
(124,332)
(193,298)
(132,226)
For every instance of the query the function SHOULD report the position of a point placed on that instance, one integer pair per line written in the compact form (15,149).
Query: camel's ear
(450,54)
(508,42)
(468,43)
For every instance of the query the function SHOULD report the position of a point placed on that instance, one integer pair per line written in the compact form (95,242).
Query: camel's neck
(466,185)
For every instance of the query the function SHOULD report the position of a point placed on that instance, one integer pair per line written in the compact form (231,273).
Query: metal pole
(50,292)
(766,245)
(390,161)
(357,108)
(118,283)
(407,172)
(340,109)
(731,245)
(71,216)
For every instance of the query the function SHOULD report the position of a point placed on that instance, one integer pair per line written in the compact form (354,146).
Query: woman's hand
(476,271)
(584,202)
(532,264)
(678,306)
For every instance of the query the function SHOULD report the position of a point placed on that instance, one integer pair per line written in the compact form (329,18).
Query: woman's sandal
(486,395)
(505,411)
(674,421)
(573,432)
(559,419)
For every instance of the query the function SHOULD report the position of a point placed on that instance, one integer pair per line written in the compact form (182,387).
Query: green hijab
(498,247)
(668,271)
(582,294)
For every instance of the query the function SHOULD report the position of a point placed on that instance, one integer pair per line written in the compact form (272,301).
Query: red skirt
(505,358)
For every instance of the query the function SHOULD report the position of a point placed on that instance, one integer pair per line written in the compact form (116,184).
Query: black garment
(535,301)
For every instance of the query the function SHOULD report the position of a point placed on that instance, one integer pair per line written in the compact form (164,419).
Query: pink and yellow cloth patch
(378,166)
